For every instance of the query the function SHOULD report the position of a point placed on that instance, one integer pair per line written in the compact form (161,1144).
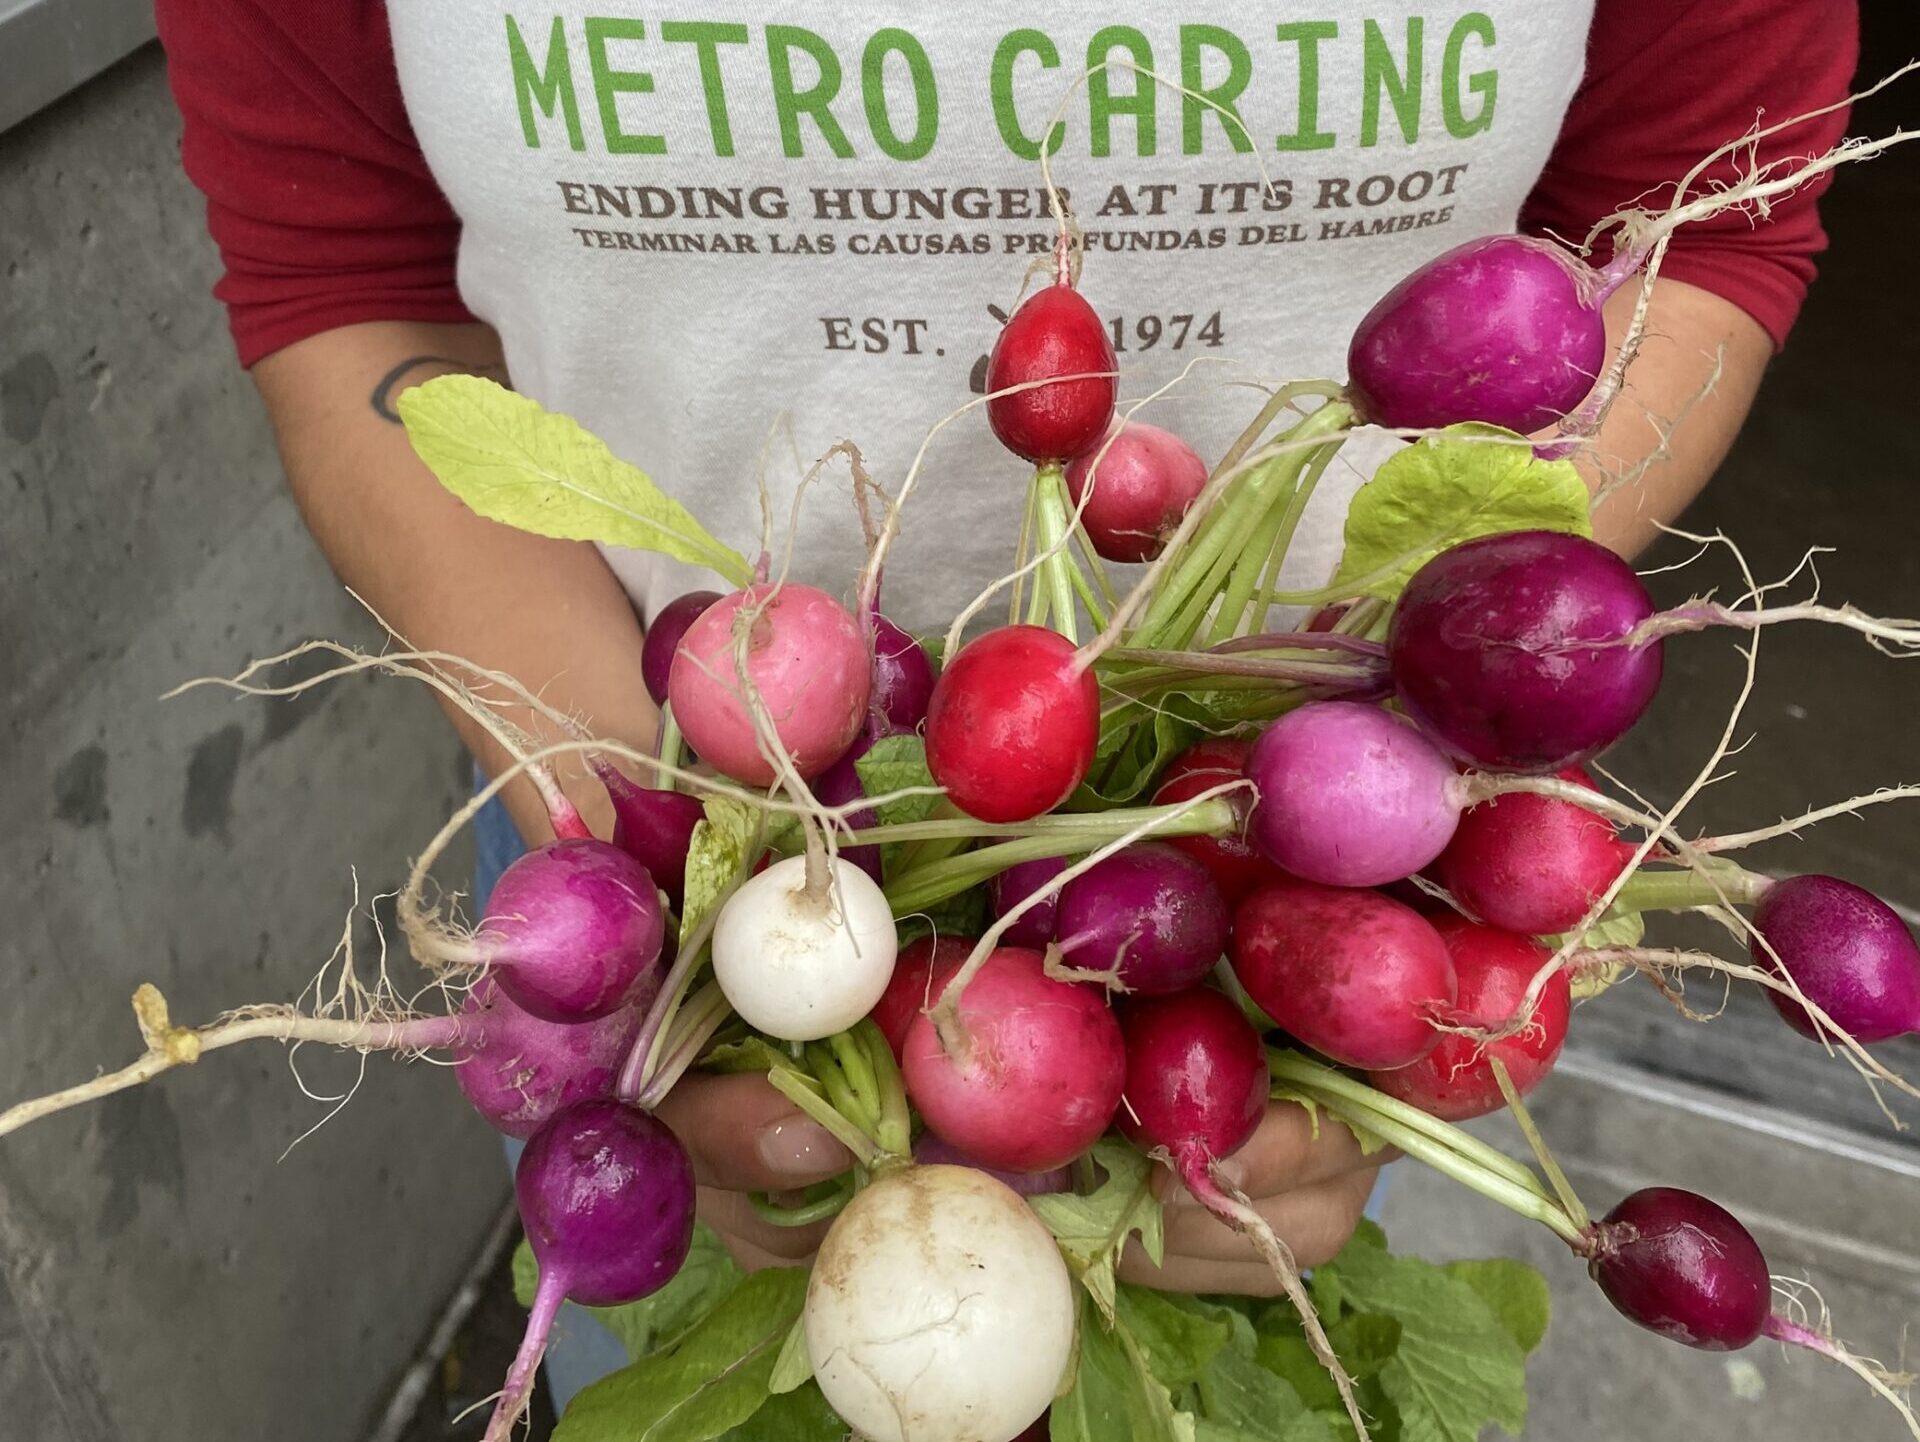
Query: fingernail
(801,1149)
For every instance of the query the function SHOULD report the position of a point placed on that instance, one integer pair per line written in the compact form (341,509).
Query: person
(725,242)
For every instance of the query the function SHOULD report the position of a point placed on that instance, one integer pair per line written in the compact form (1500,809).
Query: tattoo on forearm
(402,375)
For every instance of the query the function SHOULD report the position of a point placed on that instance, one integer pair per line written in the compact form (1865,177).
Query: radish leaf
(1092,1229)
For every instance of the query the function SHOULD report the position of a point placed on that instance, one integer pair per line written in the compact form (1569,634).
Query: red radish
(572,931)
(931,1151)
(1038,1076)
(1506,329)
(663,639)
(1233,862)
(1147,912)
(1144,483)
(1053,333)
(1013,724)
(606,1196)
(1684,1267)
(807,660)
(654,827)
(1532,864)
(902,680)
(1196,1081)
(1847,952)
(1035,926)
(1506,650)
(1455,1080)
(518,1070)
(1353,974)
(919,971)
(1350,795)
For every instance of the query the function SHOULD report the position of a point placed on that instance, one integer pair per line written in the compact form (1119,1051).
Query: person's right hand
(745,1137)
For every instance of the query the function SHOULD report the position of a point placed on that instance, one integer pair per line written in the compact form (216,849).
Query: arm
(548,613)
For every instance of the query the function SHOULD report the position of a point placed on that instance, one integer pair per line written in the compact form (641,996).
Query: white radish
(800,962)
(939,1310)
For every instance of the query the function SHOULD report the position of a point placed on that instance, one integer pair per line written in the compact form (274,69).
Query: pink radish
(1145,480)
(919,971)
(1532,864)
(1196,1081)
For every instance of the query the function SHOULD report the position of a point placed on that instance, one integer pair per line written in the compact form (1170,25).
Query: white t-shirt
(724,243)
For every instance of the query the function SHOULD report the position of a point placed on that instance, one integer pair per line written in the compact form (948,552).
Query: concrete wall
(164,1274)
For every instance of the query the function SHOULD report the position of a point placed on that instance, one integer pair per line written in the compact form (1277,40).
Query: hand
(1311,1190)
(745,1137)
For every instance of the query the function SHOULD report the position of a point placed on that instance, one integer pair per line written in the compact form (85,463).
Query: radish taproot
(572,931)
(1235,864)
(1149,915)
(663,638)
(1013,724)
(605,1193)
(1054,332)
(939,1308)
(1353,974)
(1530,863)
(518,1070)
(1036,1076)
(805,659)
(1846,950)
(801,957)
(1142,480)
(1492,969)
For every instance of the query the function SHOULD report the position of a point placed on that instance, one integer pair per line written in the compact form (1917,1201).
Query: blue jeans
(582,1351)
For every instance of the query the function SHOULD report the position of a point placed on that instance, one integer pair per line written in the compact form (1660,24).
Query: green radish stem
(833,1199)
(1664,888)
(1556,1177)
(1091,827)
(808,1093)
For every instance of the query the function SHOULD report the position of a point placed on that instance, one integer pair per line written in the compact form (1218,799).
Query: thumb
(744,1136)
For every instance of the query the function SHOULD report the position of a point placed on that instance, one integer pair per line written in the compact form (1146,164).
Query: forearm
(549,613)
(1666,403)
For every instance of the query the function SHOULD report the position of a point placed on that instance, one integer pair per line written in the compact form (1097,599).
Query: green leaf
(1092,1229)
(1241,1401)
(1177,1343)
(798,1416)
(793,1368)
(1473,480)
(750,1053)
(717,851)
(707,1276)
(962,915)
(1115,1396)
(893,764)
(513,461)
(704,1383)
(1518,1296)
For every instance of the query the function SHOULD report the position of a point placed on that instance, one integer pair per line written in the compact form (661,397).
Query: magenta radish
(939,1308)
(1053,333)
(1493,969)
(1506,650)
(1147,913)
(1532,864)
(1847,951)
(606,1196)
(1506,329)
(572,931)
(1034,927)
(801,959)
(518,1070)
(654,827)
(663,639)
(805,657)
(1144,482)
(919,971)
(1037,1074)
(932,1151)
(1013,724)
(1196,1081)
(902,681)
(1235,864)
(839,784)
(1350,795)
(1353,974)
(1684,1267)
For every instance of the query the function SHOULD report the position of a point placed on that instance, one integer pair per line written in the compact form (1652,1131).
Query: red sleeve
(1668,81)
(317,193)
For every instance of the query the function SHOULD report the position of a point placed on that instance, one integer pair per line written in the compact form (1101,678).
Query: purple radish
(1684,1267)
(931,1151)
(1847,952)
(518,1070)
(654,827)
(902,681)
(663,639)
(572,931)
(1506,329)
(839,784)
(1350,795)
(1148,912)
(606,1196)
(1506,650)
(1035,927)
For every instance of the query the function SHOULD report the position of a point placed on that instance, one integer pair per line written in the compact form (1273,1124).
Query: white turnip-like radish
(806,659)
(802,960)
(939,1310)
